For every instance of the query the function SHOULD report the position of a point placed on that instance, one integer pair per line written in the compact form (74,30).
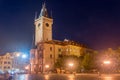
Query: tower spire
(43,11)
(35,15)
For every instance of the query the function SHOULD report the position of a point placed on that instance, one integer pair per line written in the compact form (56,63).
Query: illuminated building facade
(6,62)
(12,62)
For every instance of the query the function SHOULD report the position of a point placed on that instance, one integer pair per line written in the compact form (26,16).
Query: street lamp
(24,56)
(47,66)
(106,62)
(71,65)
(17,54)
(106,65)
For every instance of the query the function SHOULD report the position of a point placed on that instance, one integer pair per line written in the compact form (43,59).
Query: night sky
(95,23)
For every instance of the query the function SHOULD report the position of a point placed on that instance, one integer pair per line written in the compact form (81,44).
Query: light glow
(18,54)
(70,64)
(26,67)
(106,62)
(47,66)
(24,56)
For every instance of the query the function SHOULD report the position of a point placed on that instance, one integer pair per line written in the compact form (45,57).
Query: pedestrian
(7,76)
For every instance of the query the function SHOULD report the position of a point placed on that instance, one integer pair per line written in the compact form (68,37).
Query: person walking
(7,76)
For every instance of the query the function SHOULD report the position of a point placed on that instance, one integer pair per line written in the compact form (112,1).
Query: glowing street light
(47,66)
(24,56)
(70,64)
(27,67)
(18,54)
(106,62)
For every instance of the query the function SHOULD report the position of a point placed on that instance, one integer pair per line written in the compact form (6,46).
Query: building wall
(48,55)
(74,50)
(6,62)
(52,52)
(33,59)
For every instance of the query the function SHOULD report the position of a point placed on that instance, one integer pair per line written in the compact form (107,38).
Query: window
(50,55)
(59,50)
(39,25)
(60,56)
(50,48)
(47,24)
(8,67)
(8,62)
(5,62)
(4,67)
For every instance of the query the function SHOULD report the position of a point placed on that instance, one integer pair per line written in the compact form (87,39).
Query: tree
(89,61)
(63,61)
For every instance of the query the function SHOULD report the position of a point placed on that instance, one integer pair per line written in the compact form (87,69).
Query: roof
(44,11)
(5,54)
(65,42)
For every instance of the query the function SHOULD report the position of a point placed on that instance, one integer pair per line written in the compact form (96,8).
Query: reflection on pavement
(71,77)
(46,77)
(108,78)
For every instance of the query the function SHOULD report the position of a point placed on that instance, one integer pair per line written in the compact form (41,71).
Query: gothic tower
(43,26)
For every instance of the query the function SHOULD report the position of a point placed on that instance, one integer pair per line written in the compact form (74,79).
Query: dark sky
(93,22)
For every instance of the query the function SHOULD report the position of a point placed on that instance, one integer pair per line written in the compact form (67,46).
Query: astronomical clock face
(47,24)
(39,25)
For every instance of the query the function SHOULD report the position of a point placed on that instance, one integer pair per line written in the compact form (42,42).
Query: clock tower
(43,26)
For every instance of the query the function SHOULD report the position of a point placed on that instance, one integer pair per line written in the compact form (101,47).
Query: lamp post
(47,67)
(71,65)
(106,65)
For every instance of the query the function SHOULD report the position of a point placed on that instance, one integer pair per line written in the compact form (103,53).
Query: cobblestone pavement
(65,77)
